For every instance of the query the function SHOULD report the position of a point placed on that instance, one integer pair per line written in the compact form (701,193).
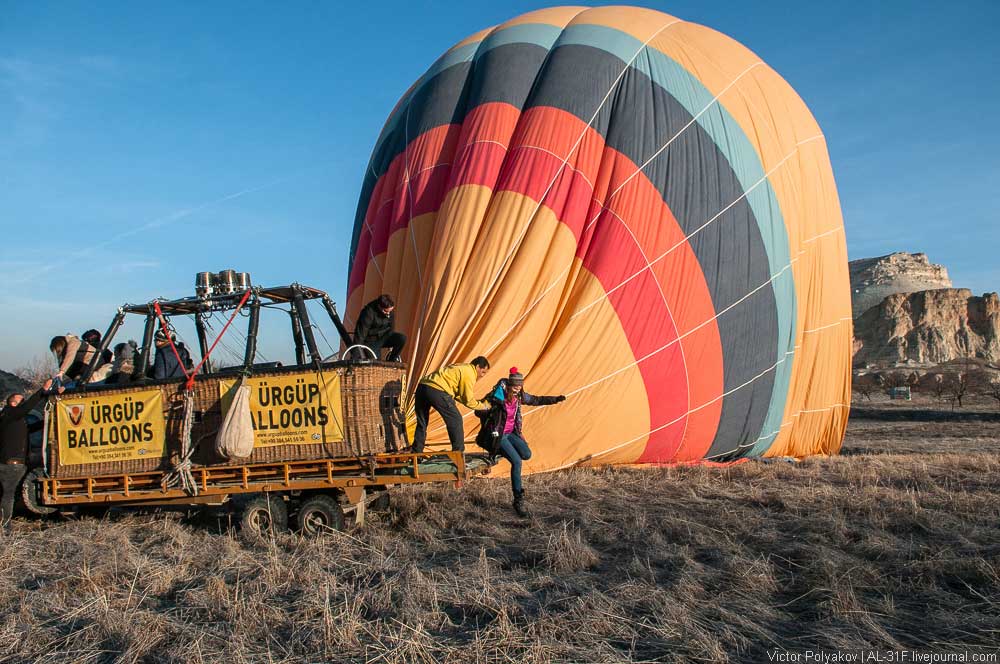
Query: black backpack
(488,423)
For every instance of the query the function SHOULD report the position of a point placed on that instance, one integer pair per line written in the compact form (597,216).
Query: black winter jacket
(373,324)
(14,429)
(165,363)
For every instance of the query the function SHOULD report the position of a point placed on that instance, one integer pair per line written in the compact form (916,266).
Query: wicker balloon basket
(366,419)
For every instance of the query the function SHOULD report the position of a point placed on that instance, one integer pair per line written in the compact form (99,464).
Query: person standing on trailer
(500,432)
(376,328)
(439,391)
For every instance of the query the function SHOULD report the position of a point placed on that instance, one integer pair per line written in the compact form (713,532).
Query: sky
(141,143)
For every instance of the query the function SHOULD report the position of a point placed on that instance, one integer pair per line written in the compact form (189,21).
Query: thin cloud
(34,303)
(148,226)
(40,89)
(133,266)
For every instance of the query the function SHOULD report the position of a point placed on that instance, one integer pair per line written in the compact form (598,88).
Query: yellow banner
(292,410)
(111,427)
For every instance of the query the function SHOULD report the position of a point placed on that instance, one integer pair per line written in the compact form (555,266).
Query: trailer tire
(262,516)
(29,494)
(319,514)
(381,502)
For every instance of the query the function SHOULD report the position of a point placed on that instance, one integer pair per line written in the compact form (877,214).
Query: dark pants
(11,475)
(515,449)
(426,398)
(394,341)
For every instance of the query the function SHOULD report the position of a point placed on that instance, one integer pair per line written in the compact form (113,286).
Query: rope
(182,469)
(243,339)
(234,356)
(333,351)
(189,385)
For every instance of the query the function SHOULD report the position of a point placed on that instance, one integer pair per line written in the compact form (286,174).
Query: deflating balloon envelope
(636,211)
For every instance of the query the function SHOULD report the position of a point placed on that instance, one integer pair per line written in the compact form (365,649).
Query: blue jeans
(514,449)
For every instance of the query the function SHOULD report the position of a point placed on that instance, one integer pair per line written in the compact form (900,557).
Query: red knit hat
(515,376)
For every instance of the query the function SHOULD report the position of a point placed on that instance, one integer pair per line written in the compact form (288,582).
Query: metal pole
(300,351)
(199,325)
(252,334)
(116,323)
(300,304)
(147,343)
(331,309)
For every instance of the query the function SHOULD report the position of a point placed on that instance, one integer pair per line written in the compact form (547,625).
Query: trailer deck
(217,483)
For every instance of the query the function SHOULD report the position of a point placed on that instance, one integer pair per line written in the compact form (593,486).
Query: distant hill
(10,383)
(906,312)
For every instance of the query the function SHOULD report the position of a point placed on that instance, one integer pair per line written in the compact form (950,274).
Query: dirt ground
(895,544)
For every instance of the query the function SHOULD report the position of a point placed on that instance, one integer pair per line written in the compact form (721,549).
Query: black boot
(519,507)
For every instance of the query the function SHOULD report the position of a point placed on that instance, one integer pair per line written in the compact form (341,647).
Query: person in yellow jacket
(439,391)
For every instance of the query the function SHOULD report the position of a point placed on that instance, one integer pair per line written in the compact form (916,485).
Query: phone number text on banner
(114,427)
(292,410)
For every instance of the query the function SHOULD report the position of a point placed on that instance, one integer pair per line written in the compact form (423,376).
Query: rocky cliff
(873,279)
(929,327)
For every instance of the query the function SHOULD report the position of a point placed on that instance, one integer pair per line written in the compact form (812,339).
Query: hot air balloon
(636,211)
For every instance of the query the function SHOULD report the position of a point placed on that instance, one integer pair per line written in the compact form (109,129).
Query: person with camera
(500,431)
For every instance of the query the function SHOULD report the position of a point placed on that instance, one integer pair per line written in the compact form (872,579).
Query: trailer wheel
(30,495)
(380,503)
(319,514)
(264,515)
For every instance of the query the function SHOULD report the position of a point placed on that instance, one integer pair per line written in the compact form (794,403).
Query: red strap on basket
(189,385)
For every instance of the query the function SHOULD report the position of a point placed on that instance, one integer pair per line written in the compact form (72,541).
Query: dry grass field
(895,544)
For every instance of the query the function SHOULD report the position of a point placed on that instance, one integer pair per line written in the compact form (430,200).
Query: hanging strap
(182,469)
(47,413)
(189,385)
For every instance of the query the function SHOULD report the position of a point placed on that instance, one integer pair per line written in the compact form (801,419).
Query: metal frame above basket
(225,291)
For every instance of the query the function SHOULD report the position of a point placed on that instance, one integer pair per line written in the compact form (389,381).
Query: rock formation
(928,327)
(873,279)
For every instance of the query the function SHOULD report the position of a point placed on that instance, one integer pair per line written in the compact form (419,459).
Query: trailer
(329,435)
(311,496)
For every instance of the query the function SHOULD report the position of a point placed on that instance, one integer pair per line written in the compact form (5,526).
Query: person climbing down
(500,430)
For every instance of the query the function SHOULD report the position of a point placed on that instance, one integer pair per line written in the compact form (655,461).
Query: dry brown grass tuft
(567,552)
(894,544)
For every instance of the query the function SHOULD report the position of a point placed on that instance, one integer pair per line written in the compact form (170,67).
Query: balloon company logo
(75,413)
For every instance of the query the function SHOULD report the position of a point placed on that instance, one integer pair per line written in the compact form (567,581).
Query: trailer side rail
(278,476)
